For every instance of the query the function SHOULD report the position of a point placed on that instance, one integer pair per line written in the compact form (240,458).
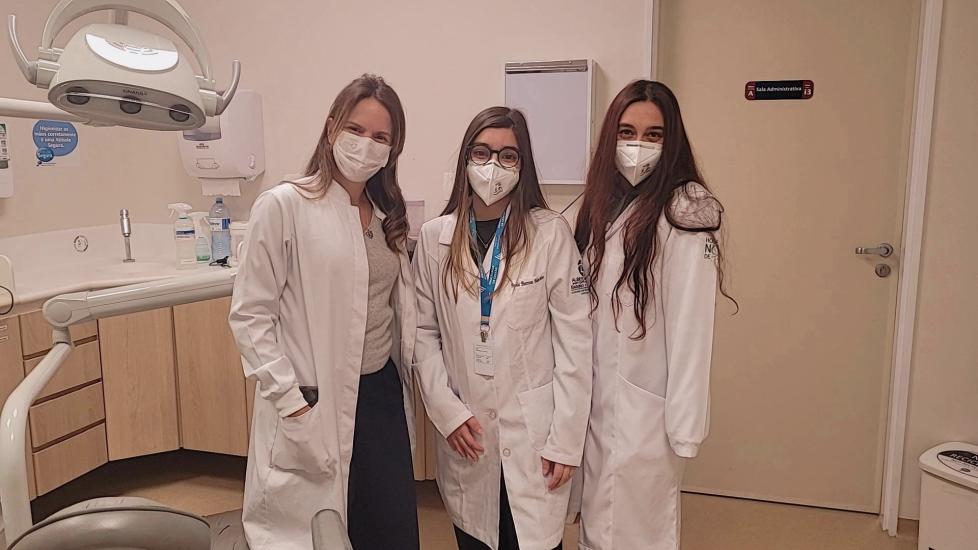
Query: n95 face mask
(359,157)
(636,159)
(491,181)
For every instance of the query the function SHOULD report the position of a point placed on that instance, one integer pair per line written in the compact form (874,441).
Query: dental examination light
(111,74)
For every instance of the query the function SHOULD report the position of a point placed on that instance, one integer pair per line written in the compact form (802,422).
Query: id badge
(483,359)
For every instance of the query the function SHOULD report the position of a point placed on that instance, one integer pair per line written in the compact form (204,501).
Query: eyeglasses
(508,157)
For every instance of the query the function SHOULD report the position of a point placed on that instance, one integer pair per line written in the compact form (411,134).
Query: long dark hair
(675,181)
(382,187)
(523,199)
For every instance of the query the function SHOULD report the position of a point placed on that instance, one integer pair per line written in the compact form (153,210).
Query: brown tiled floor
(210,484)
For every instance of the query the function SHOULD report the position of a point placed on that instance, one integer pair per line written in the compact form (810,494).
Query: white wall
(944,387)
(443,57)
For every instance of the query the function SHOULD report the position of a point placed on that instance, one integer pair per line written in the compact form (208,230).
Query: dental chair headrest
(116,523)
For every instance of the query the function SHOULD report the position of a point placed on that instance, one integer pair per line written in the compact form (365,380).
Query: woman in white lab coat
(503,352)
(648,228)
(324,315)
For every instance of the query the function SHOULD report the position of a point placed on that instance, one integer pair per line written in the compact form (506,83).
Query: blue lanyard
(487,281)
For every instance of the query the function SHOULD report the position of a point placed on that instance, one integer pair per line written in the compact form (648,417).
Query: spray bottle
(203,246)
(184,236)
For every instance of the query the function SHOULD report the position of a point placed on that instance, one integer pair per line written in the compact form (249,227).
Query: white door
(801,374)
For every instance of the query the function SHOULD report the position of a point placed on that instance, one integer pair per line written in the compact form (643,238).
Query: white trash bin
(949,498)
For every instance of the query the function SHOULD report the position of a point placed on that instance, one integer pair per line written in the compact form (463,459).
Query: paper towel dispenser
(229,149)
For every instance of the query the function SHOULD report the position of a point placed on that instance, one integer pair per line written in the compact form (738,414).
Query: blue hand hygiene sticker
(44,155)
(54,140)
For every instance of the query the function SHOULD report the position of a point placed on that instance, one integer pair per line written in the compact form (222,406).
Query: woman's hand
(300,412)
(463,439)
(557,473)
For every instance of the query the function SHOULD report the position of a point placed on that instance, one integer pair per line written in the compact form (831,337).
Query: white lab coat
(651,400)
(537,403)
(299,314)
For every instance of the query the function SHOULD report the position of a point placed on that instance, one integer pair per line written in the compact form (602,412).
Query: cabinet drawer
(82,367)
(35,332)
(67,414)
(70,459)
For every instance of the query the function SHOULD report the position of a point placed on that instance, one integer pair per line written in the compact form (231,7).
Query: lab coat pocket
(527,304)
(300,445)
(653,471)
(538,413)
(642,416)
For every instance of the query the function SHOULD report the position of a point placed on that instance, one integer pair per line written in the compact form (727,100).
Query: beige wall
(944,386)
(444,58)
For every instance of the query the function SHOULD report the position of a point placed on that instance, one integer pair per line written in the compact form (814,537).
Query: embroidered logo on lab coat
(579,285)
(711,251)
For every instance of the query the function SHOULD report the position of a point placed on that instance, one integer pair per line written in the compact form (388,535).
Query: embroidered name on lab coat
(527,283)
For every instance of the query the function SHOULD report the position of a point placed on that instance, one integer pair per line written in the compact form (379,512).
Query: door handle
(884,250)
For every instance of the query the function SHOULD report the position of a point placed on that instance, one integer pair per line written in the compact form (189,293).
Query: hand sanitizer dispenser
(229,149)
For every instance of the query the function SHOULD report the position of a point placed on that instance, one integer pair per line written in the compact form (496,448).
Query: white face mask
(491,181)
(636,159)
(359,157)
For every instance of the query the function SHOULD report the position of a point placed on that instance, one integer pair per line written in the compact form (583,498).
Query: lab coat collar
(448,230)
(619,223)
(337,192)
(445,238)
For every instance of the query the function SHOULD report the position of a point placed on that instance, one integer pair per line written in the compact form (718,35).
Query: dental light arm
(61,312)
(20,108)
(78,307)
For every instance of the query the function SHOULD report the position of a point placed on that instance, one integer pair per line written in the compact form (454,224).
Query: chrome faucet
(126,227)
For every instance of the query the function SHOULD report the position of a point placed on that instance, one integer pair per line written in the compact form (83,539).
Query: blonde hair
(382,187)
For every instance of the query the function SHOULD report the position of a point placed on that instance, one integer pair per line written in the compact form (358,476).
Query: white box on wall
(557,98)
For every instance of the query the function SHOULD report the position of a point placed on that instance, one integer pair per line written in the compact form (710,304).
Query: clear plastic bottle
(185,236)
(203,242)
(220,221)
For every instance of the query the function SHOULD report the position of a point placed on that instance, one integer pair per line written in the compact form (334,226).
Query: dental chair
(133,523)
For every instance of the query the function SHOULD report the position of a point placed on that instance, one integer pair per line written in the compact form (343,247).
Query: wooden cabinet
(11,365)
(69,459)
(11,374)
(141,384)
(139,379)
(83,366)
(134,385)
(66,415)
(36,333)
(212,389)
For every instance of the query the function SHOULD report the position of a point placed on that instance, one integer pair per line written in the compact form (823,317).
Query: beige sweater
(383,265)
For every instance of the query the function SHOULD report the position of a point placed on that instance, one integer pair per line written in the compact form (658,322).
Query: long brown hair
(382,187)
(672,183)
(523,199)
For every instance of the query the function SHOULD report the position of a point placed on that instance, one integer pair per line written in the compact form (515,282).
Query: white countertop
(47,264)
